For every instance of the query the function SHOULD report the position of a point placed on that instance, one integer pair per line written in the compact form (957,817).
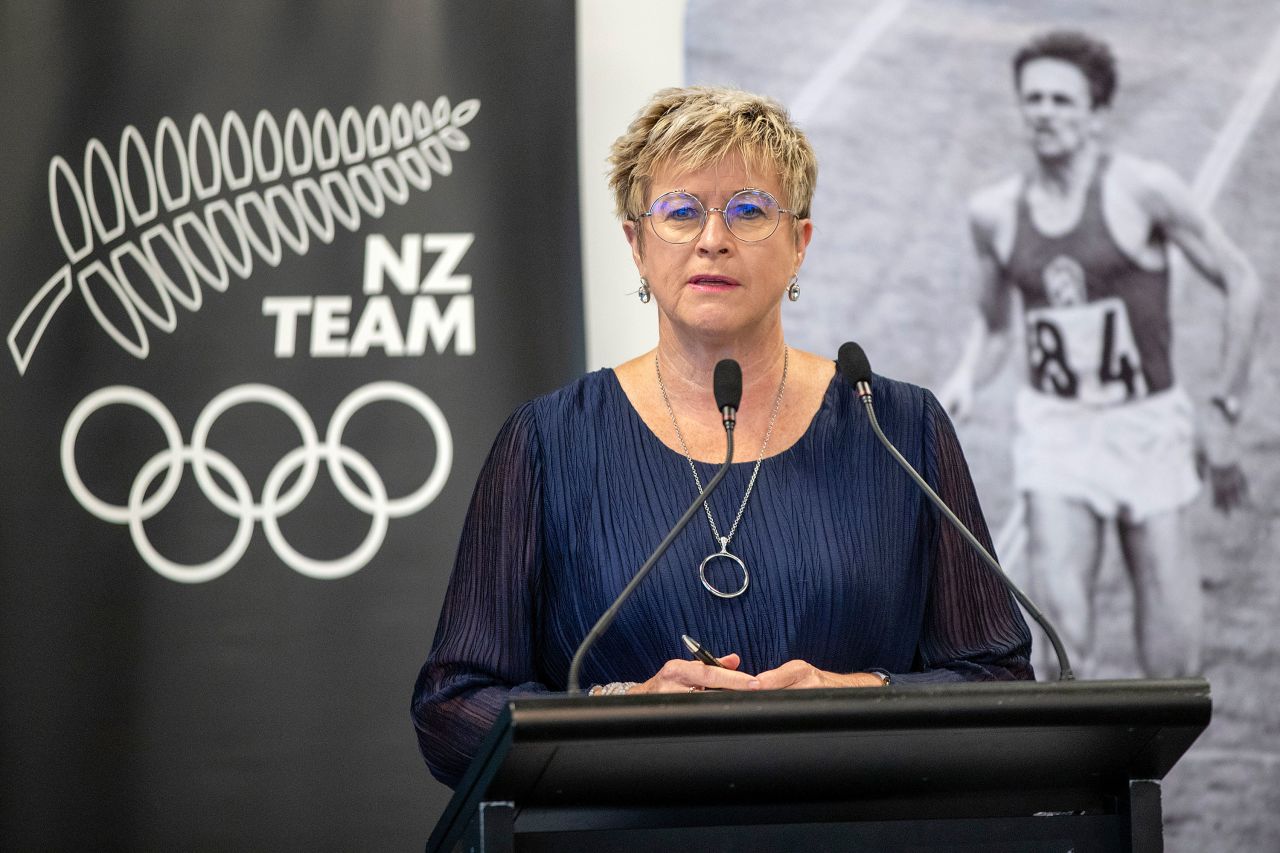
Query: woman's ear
(636,241)
(804,233)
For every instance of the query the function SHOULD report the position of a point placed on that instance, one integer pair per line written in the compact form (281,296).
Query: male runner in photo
(1103,433)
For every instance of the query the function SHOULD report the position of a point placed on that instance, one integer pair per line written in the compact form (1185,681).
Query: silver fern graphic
(213,204)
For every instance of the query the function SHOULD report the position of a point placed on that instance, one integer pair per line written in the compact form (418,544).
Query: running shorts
(1131,460)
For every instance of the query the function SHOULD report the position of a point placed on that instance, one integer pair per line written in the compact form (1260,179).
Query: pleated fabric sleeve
(973,630)
(484,647)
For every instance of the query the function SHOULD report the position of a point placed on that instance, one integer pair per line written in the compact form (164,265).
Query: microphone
(856,370)
(727,384)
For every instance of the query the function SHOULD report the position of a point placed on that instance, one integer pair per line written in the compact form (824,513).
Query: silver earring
(644,293)
(793,289)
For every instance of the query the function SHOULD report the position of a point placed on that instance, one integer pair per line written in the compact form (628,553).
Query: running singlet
(1098,328)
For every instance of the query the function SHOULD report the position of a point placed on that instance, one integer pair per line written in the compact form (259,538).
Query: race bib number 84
(1085,352)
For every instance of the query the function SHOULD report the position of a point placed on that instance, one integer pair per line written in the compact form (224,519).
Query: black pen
(699,652)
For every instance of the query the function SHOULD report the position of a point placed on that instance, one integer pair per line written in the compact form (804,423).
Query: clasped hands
(682,676)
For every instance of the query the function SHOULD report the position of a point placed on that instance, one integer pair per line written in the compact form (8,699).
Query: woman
(817,564)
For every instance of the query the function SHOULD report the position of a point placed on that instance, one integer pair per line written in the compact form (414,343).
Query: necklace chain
(777,406)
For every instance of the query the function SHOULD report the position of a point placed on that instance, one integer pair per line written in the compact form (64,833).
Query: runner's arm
(987,341)
(1220,261)
(1208,248)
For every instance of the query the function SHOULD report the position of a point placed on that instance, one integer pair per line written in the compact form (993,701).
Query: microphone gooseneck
(727,379)
(856,370)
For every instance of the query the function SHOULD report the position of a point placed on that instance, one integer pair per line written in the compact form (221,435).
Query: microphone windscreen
(853,364)
(727,383)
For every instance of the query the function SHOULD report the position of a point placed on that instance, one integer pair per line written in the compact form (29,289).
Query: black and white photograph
(1059,217)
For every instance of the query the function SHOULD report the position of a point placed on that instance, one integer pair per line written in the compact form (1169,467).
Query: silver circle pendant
(723,553)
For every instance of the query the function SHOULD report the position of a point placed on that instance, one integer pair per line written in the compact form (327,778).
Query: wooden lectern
(1021,766)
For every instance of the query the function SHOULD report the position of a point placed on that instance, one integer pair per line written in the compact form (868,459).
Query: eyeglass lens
(750,215)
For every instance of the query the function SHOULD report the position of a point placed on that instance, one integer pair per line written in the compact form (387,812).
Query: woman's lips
(713,282)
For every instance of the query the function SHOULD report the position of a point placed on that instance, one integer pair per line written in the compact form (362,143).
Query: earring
(644,293)
(793,289)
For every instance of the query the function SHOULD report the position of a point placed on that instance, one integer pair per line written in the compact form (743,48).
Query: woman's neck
(687,364)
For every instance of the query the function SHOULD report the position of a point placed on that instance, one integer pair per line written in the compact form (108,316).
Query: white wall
(626,52)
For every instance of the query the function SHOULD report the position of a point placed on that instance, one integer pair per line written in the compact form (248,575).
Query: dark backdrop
(261,702)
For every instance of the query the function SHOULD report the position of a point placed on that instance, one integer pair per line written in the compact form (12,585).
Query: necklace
(723,553)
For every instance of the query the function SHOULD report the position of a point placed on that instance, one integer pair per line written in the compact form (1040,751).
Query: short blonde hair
(696,127)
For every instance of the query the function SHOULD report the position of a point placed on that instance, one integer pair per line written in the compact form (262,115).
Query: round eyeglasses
(750,215)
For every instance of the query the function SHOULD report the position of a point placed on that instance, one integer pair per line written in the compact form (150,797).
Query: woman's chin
(717,324)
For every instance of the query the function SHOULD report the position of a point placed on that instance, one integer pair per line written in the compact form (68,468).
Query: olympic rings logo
(276,501)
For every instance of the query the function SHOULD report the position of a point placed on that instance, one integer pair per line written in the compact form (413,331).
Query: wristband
(1229,405)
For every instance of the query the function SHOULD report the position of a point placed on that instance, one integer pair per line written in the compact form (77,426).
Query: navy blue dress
(851,567)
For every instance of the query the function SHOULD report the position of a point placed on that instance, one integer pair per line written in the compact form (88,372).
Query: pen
(699,652)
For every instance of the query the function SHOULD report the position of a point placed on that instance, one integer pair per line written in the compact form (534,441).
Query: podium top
(896,744)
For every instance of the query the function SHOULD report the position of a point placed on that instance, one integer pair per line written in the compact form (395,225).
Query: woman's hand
(684,676)
(796,674)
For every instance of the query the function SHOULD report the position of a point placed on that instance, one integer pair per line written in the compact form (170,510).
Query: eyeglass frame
(706,215)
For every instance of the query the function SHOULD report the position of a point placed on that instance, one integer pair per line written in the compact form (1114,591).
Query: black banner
(273,274)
